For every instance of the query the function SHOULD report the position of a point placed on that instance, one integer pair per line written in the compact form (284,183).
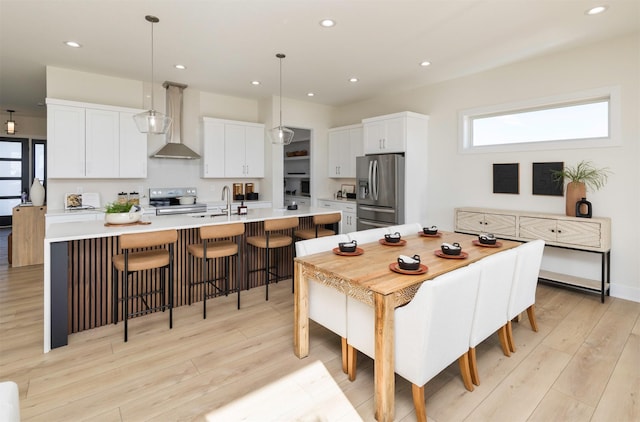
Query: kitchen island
(77,264)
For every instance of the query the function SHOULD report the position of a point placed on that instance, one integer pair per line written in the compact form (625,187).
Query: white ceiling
(226,44)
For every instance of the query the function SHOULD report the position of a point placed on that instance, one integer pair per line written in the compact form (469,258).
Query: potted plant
(118,213)
(582,176)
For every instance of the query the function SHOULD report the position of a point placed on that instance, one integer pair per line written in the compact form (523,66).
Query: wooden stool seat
(319,221)
(130,262)
(277,235)
(217,242)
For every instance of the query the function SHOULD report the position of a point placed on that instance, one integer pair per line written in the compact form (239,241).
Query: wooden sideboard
(560,231)
(27,234)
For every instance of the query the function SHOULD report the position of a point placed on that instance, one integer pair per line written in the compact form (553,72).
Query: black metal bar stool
(319,229)
(218,241)
(278,234)
(131,262)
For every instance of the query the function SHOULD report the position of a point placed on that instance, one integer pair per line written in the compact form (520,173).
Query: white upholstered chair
(406,229)
(327,306)
(368,236)
(431,331)
(525,281)
(492,303)
(9,402)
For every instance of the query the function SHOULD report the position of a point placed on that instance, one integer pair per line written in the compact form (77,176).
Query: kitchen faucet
(226,194)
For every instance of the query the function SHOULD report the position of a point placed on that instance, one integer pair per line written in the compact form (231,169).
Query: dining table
(371,275)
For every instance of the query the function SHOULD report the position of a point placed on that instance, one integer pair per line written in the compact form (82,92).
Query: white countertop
(61,232)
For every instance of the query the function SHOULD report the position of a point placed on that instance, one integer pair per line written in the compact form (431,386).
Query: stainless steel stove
(166,202)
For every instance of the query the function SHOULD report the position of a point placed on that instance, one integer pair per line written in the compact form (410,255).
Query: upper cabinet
(390,133)
(345,144)
(232,148)
(93,141)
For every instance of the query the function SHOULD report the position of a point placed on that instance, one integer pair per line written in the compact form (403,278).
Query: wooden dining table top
(370,270)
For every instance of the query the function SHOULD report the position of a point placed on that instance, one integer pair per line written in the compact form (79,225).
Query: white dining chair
(327,306)
(406,229)
(523,289)
(431,331)
(368,236)
(492,303)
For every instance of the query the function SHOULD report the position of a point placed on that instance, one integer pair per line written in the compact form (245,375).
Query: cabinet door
(65,142)
(102,143)
(500,224)
(133,148)
(349,222)
(234,151)
(339,149)
(254,151)
(468,221)
(374,134)
(579,233)
(395,137)
(348,168)
(213,148)
(538,228)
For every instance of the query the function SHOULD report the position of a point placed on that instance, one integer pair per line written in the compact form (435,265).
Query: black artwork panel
(543,182)
(506,178)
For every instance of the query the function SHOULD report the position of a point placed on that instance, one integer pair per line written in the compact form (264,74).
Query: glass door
(14,175)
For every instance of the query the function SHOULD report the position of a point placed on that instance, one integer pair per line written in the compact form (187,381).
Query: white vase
(37,192)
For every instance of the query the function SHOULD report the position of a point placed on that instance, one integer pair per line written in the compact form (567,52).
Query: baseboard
(625,292)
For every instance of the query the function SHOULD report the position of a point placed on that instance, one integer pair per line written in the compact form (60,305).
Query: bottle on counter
(134,198)
(123,198)
(242,209)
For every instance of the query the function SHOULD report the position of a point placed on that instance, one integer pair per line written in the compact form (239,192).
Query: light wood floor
(583,364)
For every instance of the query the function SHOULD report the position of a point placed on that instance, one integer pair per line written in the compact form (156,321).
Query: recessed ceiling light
(310,94)
(327,23)
(353,79)
(425,63)
(72,44)
(255,82)
(180,66)
(596,10)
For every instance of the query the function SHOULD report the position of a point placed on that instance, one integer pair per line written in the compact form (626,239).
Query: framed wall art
(543,182)
(506,178)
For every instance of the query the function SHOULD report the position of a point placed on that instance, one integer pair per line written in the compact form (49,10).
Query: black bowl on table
(409,263)
(348,246)
(392,238)
(451,248)
(487,239)
(430,230)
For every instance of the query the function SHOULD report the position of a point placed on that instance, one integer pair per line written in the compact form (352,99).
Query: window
(575,121)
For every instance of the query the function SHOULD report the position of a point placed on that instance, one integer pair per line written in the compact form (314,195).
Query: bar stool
(277,235)
(319,230)
(131,262)
(217,242)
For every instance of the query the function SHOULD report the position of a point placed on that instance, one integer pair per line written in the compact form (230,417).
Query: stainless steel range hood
(174,147)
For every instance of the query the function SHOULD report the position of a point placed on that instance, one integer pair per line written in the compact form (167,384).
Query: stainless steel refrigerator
(380,195)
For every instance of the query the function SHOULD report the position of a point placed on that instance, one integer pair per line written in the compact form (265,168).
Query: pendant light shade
(152,121)
(10,125)
(281,135)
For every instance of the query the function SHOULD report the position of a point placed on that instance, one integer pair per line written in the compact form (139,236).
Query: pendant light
(152,121)
(11,124)
(281,135)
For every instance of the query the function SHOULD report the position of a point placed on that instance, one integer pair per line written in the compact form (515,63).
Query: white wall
(615,62)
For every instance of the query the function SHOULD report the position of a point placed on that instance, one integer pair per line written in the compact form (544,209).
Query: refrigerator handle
(370,179)
(375,180)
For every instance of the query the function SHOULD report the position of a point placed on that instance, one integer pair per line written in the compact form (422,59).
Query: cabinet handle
(553,230)
(559,231)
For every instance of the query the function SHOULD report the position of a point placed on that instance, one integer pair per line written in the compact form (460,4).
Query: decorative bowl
(451,248)
(348,246)
(122,217)
(392,238)
(487,238)
(430,230)
(411,263)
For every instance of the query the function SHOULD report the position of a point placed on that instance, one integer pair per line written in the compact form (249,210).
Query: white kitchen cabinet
(348,223)
(386,134)
(93,141)
(232,148)
(133,148)
(65,141)
(345,144)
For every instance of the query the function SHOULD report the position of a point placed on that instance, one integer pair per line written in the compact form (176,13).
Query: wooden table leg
(300,313)
(384,363)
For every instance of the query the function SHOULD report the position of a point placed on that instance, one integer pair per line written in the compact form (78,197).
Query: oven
(166,201)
